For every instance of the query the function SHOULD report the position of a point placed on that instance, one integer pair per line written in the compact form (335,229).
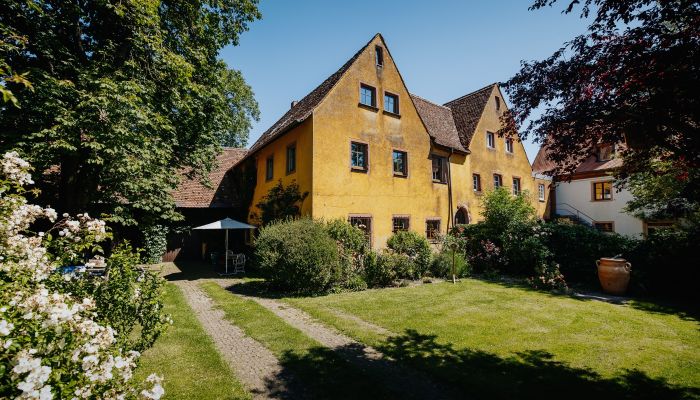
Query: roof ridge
(491,85)
(428,101)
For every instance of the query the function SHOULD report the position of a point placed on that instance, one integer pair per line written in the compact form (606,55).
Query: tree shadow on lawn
(530,374)
(324,375)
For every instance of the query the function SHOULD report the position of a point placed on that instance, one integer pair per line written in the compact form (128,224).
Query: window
(476,182)
(364,222)
(509,145)
(269,164)
(654,226)
(516,186)
(605,153)
(490,140)
(379,56)
(432,229)
(498,103)
(291,158)
(604,226)
(400,223)
(358,156)
(391,103)
(497,181)
(540,191)
(368,96)
(602,191)
(400,161)
(439,169)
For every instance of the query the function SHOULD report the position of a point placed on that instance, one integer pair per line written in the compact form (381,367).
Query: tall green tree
(633,77)
(125,94)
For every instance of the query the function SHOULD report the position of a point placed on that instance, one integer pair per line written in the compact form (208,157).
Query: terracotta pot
(614,275)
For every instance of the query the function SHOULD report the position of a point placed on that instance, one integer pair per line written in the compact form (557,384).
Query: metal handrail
(579,213)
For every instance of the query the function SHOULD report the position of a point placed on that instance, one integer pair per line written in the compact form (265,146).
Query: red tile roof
(438,120)
(193,194)
(467,111)
(543,165)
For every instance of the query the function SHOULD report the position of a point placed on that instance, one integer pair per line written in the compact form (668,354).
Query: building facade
(589,193)
(368,151)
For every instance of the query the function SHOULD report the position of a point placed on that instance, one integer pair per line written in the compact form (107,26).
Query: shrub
(416,248)
(298,256)
(441,267)
(500,210)
(155,243)
(576,248)
(663,264)
(384,269)
(352,249)
(57,341)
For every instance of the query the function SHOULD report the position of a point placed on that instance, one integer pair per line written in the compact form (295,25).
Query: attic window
(605,152)
(498,103)
(379,56)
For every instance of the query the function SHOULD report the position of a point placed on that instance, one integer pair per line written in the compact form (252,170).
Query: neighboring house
(201,204)
(589,194)
(369,152)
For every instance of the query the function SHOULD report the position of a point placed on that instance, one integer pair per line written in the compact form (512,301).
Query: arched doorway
(462,216)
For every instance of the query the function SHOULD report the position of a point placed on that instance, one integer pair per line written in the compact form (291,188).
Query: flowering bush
(53,339)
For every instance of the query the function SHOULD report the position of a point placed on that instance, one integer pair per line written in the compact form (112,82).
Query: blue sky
(444,49)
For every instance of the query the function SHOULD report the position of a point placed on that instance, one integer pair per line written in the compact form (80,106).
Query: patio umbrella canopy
(226,224)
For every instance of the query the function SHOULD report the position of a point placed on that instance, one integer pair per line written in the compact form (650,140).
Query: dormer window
(379,56)
(605,152)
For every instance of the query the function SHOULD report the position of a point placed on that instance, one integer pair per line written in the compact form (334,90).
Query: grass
(497,341)
(323,374)
(187,358)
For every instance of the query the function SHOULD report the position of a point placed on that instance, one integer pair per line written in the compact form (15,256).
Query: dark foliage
(125,95)
(632,78)
(281,203)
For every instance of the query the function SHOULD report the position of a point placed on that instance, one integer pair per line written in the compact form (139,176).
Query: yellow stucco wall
(302,137)
(487,162)
(339,192)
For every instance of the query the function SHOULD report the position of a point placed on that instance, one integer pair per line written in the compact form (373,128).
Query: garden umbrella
(226,224)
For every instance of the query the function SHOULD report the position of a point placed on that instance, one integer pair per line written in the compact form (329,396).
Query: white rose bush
(64,333)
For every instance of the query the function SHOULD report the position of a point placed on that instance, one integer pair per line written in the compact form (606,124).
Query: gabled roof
(305,107)
(441,132)
(191,193)
(542,164)
(467,110)
(439,123)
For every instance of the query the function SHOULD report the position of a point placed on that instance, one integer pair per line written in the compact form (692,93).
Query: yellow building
(368,151)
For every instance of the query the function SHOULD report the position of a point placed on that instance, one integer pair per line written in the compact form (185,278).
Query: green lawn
(187,358)
(491,340)
(321,373)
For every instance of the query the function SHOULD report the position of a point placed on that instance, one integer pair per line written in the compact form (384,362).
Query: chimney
(294,102)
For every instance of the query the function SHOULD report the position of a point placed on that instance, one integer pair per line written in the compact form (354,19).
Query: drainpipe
(449,191)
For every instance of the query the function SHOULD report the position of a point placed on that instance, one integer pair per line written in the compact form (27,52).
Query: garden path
(255,366)
(399,379)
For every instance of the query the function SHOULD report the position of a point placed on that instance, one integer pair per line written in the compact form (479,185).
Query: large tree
(125,94)
(632,78)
